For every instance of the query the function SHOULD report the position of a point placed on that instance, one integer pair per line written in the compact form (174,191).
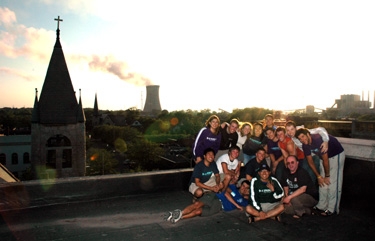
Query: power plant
(152,105)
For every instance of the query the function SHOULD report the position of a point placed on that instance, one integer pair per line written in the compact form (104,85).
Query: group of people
(264,170)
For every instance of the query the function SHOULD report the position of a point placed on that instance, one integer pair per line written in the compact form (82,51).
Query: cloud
(19,41)
(109,64)
(7,17)
(15,72)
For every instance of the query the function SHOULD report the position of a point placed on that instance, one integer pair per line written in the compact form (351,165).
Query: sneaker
(316,211)
(168,216)
(176,216)
(327,213)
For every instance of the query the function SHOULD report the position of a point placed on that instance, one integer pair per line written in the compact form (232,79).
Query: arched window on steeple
(59,149)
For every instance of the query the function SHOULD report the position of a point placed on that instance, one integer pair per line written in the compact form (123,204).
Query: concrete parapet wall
(359,149)
(46,192)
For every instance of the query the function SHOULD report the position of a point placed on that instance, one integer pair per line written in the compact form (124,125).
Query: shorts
(269,206)
(211,182)
(212,204)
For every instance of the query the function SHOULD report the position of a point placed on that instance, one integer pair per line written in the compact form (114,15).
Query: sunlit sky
(206,54)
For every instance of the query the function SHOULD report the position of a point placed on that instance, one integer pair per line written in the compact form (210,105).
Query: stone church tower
(58,144)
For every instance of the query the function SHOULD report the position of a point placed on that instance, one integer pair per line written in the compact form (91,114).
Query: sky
(206,54)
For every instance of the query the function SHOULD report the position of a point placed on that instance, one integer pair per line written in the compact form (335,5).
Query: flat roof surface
(140,217)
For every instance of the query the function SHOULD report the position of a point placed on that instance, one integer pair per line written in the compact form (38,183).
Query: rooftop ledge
(359,178)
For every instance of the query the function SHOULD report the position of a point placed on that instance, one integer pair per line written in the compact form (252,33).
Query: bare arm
(230,199)
(201,185)
(296,193)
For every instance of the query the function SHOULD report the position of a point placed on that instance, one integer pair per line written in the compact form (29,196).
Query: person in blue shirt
(235,198)
(211,203)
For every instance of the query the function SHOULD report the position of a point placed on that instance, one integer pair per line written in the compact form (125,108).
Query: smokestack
(152,99)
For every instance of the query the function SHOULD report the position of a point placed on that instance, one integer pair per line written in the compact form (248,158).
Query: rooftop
(140,217)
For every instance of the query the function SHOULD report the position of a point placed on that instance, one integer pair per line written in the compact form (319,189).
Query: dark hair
(208,150)
(302,131)
(291,123)
(246,181)
(234,148)
(267,129)
(260,149)
(280,128)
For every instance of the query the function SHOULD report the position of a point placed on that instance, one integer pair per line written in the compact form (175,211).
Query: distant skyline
(280,55)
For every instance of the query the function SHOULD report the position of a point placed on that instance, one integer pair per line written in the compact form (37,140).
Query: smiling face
(233,127)
(264,174)
(270,134)
(233,154)
(260,155)
(280,135)
(290,130)
(246,130)
(292,164)
(304,139)
(269,121)
(210,156)
(214,123)
(258,130)
(244,189)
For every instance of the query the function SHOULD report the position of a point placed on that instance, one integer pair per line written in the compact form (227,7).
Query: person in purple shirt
(331,169)
(275,154)
(208,137)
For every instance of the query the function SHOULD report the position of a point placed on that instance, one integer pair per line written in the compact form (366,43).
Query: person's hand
(198,159)
(324,147)
(215,188)
(240,208)
(234,179)
(286,200)
(320,181)
(327,180)
(270,186)
(262,215)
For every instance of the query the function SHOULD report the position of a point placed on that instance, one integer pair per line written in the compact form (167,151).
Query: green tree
(100,162)
(145,154)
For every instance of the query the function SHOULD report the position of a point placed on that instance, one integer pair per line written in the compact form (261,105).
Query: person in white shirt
(229,164)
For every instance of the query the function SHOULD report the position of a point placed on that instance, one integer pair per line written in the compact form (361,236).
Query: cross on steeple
(58,19)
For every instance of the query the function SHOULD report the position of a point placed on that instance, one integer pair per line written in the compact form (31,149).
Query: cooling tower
(152,104)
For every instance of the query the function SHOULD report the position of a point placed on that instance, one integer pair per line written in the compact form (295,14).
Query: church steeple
(58,103)
(80,115)
(58,127)
(35,113)
(96,108)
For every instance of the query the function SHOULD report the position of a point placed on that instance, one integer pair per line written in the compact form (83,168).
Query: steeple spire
(96,108)
(57,102)
(80,115)
(35,113)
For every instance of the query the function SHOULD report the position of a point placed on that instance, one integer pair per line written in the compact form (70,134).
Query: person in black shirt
(300,192)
